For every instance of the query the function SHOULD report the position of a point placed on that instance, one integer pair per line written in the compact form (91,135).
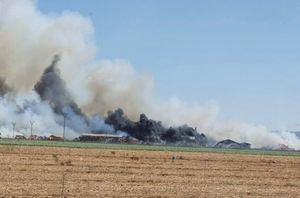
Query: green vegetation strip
(96,145)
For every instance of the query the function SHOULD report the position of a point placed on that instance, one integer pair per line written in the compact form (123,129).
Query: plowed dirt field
(31,171)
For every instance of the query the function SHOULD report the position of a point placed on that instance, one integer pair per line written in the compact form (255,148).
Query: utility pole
(31,127)
(64,129)
(14,127)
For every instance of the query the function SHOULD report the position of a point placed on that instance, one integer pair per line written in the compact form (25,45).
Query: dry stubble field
(31,171)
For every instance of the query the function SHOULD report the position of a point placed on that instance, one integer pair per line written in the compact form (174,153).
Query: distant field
(35,171)
(95,145)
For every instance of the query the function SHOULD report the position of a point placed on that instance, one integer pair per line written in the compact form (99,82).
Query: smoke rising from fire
(28,41)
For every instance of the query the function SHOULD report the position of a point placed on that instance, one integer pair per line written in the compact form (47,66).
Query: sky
(242,55)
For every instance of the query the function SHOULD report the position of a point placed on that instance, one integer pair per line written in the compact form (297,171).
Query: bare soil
(31,171)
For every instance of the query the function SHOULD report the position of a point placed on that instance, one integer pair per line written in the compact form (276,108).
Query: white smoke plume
(28,41)
(22,108)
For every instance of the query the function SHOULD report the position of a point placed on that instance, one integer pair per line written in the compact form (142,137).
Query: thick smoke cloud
(52,88)
(149,130)
(28,41)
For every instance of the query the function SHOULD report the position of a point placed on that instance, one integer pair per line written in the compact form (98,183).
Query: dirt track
(66,172)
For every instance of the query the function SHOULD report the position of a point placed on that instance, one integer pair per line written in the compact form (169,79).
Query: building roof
(102,135)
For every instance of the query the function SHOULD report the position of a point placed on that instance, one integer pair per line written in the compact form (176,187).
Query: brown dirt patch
(66,172)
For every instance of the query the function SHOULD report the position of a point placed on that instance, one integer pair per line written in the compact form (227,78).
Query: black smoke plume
(53,89)
(152,131)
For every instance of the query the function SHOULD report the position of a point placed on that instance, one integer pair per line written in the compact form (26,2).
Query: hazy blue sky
(245,55)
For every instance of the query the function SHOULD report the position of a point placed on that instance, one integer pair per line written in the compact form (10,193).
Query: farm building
(232,144)
(107,138)
(55,138)
(20,137)
(91,137)
(131,140)
(198,140)
(36,137)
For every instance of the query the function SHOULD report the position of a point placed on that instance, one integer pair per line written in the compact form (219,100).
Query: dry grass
(68,172)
